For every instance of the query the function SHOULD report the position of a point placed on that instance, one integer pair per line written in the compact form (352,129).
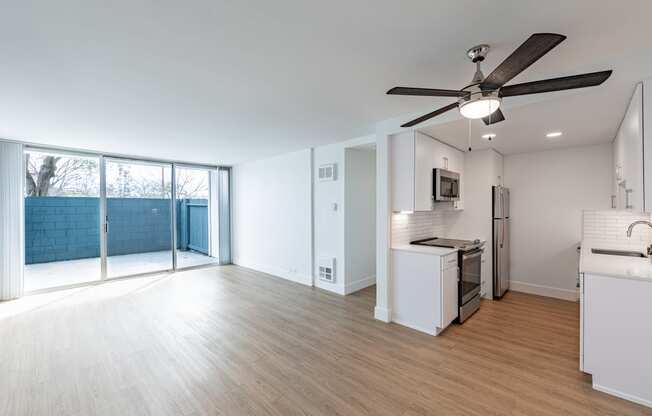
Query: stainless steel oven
(470,282)
(446,185)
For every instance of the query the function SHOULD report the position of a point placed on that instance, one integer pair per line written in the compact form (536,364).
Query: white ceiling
(578,115)
(225,81)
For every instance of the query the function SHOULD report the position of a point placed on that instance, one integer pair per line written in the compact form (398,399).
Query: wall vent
(327,269)
(328,172)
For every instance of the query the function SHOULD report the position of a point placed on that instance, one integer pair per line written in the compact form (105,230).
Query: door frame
(104,225)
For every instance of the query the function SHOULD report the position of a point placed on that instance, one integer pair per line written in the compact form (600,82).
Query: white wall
(284,218)
(548,192)
(329,228)
(360,218)
(271,214)
(328,218)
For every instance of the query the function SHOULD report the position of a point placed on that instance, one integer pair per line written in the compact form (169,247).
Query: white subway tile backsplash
(410,227)
(610,227)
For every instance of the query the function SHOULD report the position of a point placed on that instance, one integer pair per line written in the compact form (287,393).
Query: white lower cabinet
(616,335)
(424,290)
(449,287)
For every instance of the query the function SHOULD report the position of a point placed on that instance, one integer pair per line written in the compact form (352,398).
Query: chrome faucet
(635,223)
(629,235)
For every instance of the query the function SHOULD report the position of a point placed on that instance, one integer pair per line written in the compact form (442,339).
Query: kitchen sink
(625,253)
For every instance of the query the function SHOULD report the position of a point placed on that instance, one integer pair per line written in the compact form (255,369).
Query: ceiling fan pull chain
(469,134)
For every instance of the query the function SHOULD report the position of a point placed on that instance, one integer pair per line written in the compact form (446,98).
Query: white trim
(434,332)
(631,398)
(548,291)
(274,271)
(383,228)
(382,314)
(359,285)
(311,213)
(330,287)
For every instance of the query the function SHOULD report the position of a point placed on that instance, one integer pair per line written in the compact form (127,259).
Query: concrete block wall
(138,225)
(68,228)
(58,228)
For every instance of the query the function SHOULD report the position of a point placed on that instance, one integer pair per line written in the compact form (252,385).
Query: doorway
(138,217)
(195,226)
(92,217)
(62,217)
(360,217)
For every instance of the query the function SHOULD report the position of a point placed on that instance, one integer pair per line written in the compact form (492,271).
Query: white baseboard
(331,287)
(360,284)
(275,271)
(625,396)
(434,332)
(551,292)
(382,314)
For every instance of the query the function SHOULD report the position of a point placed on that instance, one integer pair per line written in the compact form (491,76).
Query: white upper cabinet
(402,168)
(414,156)
(424,157)
(647,144)
(630,186)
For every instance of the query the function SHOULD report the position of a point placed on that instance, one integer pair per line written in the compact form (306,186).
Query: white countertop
(614,266)
(435,251)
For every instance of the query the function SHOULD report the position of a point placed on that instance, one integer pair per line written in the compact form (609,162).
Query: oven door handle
(471,256)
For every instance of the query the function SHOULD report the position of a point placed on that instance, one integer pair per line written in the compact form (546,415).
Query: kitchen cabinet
(615,340)
(424,288)
(630,187)
(449,289)
(413,157)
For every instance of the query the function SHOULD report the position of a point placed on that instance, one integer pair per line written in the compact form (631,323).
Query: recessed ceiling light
(553,134)
(489,136)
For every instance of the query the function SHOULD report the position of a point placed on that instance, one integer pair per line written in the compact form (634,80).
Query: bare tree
(191,184)
(55,175)
(44,175)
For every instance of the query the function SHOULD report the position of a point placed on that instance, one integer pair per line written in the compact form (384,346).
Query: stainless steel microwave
(445,185)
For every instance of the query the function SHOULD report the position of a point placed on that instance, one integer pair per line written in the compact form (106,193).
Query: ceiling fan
(482,98)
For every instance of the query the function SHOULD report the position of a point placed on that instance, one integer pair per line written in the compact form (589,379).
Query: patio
(69,272)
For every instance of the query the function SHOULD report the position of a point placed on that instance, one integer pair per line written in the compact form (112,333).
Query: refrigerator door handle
(502,221)
(497,260)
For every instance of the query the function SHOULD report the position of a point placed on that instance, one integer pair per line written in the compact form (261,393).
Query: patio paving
(63,273)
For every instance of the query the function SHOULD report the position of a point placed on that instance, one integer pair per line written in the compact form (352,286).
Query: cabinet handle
(613,201)
(628,205)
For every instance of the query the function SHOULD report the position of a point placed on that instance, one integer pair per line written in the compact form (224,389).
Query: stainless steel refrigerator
(500,220)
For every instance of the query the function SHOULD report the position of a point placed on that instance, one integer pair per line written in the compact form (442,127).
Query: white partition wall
(12,243)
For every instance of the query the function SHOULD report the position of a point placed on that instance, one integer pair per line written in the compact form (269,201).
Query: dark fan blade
(430,115)
(556,84)
(426,92)
(525,55)
(493,118)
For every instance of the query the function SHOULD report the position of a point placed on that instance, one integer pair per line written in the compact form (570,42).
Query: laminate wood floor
(231,341)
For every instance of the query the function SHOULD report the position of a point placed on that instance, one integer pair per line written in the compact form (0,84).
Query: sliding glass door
(62,219)
(138,217)
(195,231)
(91,217)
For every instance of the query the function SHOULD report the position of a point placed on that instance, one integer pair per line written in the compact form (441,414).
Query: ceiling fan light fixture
(480,107)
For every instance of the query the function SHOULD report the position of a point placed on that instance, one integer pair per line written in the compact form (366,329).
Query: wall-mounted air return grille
(327,269)
(328,172)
